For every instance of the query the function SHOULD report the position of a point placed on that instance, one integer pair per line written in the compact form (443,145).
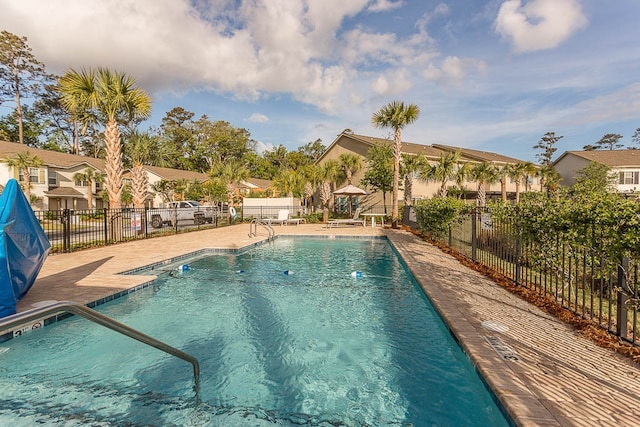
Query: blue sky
(492,75)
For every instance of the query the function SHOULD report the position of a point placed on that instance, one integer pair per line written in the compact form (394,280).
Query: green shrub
(436,215)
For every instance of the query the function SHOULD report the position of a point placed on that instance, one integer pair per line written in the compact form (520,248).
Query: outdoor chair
(355,220)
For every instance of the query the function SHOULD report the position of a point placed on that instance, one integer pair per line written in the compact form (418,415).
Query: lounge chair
(283,216)
(347,221)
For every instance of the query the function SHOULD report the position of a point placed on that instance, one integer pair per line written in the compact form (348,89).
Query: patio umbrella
(350,190)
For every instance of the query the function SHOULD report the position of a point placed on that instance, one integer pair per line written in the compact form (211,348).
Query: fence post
(517,260)
(474,241)
(621,312)
(104,225)
(450,237)
(66,230)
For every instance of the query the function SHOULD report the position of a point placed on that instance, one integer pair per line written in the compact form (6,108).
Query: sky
(492,75)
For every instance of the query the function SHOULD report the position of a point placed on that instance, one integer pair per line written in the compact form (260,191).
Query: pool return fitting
(14,321)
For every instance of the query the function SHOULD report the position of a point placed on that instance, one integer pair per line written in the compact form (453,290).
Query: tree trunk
(408,190)
(139,184)
(113,164)
(397,150)
(16,79)
(503,188)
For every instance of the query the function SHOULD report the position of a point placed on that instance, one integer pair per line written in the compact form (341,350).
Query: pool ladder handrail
(26,317)
(253,228)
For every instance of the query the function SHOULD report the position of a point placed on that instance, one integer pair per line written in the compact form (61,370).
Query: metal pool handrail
(99,318)
(253,228)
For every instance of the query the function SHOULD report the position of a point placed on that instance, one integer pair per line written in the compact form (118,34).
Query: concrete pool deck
(540,369)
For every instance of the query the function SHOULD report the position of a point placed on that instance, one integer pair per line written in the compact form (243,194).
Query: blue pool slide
(23,247)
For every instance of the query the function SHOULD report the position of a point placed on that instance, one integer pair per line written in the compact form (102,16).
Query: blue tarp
(23,247)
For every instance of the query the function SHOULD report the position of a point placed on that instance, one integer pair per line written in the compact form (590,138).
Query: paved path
(539,368)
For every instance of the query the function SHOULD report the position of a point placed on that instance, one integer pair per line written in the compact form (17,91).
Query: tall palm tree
(22,161)
(114,97)
(395,115)
(412,165)
(485,174)
(350,163)
(445,170)
(89,175)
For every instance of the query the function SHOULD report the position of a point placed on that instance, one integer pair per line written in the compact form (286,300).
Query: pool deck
(540,369)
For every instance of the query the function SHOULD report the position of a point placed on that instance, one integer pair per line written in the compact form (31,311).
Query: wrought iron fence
(71,230)
(581,279)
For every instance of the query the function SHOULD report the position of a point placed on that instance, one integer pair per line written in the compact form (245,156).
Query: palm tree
(90,176)
(114,98)
(445,170)
(504,172)
(530,170)
(143,149)
(462,173)
(520,172)
(22,161)
(411,166)
(329,174)
(485,174)
(351,164)
(229,173)
(395,115)
(289,182)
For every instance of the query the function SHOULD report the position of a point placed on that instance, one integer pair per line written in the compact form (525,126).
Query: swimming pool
(318,346)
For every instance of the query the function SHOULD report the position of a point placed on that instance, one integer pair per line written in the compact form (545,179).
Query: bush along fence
(578,268)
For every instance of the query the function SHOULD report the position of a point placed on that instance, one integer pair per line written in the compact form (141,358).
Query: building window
(34,175)
(629,177)
(53,178)
(82,183)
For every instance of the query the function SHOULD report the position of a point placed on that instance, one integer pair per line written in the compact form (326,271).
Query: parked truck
(175,212)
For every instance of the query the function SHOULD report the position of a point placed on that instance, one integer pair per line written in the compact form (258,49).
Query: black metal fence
(581,279)
(72,230)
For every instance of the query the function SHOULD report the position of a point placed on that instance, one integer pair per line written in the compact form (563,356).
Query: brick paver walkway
(539,368)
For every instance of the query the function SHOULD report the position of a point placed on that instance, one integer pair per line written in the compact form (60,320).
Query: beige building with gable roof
(348,142)
(52,183)
(625,164)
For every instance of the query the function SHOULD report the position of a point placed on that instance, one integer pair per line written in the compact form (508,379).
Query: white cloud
(618,106)
(539,24)
(385,5)
(262,147)
(250,50)
(258,118)
(454,70)
(392,83)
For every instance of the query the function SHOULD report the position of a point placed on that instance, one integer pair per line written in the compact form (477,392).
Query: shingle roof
(482,156)
(50,158)
(434,151)
(260,183)
(611,158)
(176,174)
(64,191)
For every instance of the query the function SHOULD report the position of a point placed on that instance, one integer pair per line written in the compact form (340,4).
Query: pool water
(318,346)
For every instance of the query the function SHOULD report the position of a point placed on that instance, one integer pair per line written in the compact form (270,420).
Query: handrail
(99,318)
(253,228)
